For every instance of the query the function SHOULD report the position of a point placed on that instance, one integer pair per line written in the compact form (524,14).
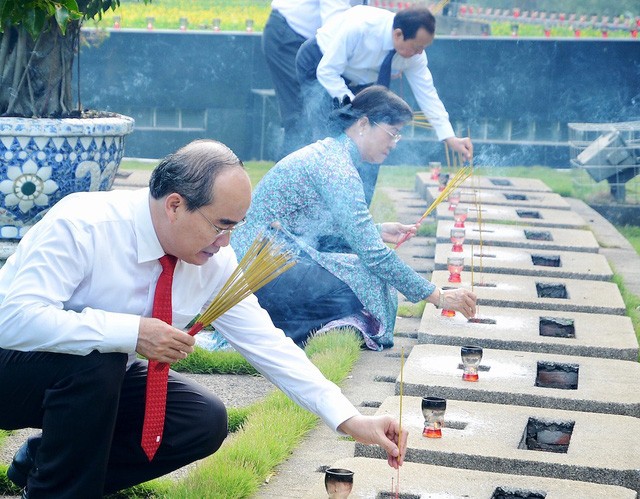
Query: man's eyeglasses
(395,136)
(221,232)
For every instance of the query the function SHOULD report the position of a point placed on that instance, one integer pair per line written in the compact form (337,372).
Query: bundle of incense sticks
(461,175)
(264,261)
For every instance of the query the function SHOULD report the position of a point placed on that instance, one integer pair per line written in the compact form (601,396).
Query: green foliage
(34,15)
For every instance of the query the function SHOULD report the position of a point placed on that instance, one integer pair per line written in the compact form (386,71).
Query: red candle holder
(215,24)
(435,169)
(471,357)
(455,264)
(433,409)
(457,238)
(460,214)
(454,199)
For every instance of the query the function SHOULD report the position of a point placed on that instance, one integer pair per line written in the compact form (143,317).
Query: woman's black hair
(377,103)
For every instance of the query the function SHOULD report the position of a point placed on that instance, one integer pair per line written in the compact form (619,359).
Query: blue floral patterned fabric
(316,192)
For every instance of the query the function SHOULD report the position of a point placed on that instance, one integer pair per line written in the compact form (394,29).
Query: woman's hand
(459,299)
(394,232)
(379,430)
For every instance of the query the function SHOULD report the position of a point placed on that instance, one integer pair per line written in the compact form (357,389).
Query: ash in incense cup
(457,238)
(433,411)
(455,264)
(338,482)
(471,357)
(460,214)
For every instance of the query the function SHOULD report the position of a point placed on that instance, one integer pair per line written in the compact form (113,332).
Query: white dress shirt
(83,276)
(355,42)
(306,16)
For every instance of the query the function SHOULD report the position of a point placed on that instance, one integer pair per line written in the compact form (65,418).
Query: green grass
(632,234)
(411,309)
(203,361)
(631,302)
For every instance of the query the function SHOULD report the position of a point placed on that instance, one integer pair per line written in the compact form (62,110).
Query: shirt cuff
(120,333)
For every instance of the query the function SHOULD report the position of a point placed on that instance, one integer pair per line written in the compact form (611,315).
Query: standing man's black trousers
(90,409)
(280,45)
(318,106)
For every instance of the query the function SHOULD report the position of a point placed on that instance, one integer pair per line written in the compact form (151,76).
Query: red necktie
(158,372)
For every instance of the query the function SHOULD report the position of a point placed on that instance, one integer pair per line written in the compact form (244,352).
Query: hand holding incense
(264,261)
(461,175)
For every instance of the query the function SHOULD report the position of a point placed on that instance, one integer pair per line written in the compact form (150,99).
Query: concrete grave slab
(373,477)
(544,293)
(567,333)
(526,378)
(535,217)
(521,237)
(597,448)
(526,261)
(506,197)
(424,181)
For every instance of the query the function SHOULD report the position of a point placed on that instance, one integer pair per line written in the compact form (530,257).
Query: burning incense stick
(446,153)
(453,184)
(400,417)
(472,267)
(264,261)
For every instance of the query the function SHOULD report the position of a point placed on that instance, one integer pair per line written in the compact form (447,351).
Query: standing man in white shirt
(76,303)
(289,25)
(347,53)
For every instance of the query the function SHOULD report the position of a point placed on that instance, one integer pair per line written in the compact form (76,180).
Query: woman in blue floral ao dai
(346,274)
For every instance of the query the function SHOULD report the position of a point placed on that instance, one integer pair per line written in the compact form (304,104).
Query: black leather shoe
(23,461)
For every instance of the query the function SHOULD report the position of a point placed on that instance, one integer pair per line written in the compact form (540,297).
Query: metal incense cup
(433,411)
(471,357)
(338,482)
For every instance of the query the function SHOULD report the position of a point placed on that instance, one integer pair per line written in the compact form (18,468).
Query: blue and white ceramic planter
(42,160)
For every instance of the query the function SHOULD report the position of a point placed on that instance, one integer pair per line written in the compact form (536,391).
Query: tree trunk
(35,75)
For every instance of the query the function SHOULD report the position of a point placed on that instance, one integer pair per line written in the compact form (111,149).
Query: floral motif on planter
(42,160)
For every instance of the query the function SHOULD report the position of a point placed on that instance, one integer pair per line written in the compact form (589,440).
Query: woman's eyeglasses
(395,136)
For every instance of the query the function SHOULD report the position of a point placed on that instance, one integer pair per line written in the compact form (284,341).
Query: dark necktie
(158,372)
(384,76)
